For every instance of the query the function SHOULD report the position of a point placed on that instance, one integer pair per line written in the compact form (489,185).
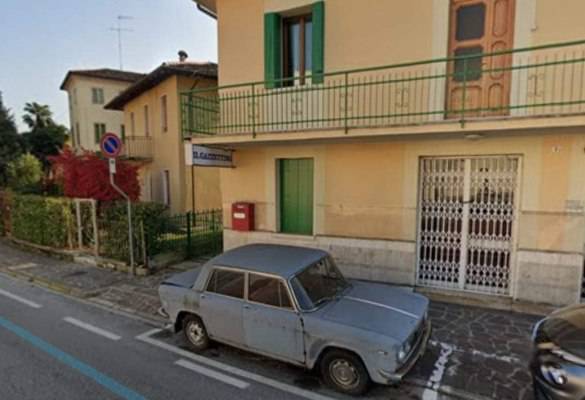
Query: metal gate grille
(467,210)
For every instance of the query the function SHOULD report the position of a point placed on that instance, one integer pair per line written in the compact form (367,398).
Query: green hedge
(113,228)
(45,221)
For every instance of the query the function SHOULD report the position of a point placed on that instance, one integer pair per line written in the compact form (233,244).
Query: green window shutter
(96,133)
(318,42)
(272,50)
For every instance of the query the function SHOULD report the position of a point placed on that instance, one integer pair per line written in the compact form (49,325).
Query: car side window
(270,291)
(227,282)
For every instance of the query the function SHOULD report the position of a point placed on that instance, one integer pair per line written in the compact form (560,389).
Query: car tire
(345,372)
(195,333)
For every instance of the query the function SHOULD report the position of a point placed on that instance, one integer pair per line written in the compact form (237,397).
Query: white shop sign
(208,156)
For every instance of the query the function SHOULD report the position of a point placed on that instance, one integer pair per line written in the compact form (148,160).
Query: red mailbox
(243,216)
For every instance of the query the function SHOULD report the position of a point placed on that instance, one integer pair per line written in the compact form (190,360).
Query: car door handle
(247,307)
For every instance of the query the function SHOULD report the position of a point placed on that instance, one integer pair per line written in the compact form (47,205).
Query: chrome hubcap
(344,374)
(196,333)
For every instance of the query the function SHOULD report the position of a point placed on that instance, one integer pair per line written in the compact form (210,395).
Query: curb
(86,297)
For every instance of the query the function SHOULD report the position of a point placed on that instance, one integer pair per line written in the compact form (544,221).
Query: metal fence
(544,80)
(191,234)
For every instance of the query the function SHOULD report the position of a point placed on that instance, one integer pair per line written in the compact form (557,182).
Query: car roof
(281,260)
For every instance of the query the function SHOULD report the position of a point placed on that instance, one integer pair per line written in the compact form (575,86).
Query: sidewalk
(475,353)
(134,294)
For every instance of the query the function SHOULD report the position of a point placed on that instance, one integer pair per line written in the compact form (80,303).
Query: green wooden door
(296,196)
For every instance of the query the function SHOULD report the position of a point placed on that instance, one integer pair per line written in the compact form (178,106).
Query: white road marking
(434,381)
(483,354)
(146,338)
(213,374)
(22,266)
(91,328)
(20,299)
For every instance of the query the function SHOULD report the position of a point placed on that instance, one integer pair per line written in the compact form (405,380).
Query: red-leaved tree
(87,176)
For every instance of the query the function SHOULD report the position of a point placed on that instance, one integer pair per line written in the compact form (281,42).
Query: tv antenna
(119,29)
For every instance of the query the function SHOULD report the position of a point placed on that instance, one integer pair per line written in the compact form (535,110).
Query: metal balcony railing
(138,147)
(547,80)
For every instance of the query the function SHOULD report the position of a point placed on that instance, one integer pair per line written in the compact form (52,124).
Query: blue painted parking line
(67,359)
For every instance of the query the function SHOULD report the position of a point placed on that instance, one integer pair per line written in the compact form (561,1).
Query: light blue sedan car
(294,305)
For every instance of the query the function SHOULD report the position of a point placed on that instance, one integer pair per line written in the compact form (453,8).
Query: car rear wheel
(345,372)
(195,333)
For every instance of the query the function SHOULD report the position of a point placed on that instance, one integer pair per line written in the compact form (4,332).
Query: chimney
(183,55)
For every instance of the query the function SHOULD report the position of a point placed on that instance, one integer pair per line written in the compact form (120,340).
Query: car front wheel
(195,333)
(345,372)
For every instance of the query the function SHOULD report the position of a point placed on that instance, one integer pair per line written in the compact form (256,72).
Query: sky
(42,39)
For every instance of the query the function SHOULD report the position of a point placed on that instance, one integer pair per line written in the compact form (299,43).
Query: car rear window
(227,282)
(269,291)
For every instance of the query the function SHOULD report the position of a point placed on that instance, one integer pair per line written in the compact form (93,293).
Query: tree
(45,142)
(87,176)
(11,145)
(46,138)
(24,173)
(37,116)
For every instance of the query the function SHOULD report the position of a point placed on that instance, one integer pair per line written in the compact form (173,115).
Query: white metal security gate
(467,211)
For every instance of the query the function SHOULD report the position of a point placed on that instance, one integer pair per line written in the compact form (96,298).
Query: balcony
(542,81)
(137,148)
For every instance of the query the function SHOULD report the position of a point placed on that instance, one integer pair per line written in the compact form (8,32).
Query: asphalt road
(56,347)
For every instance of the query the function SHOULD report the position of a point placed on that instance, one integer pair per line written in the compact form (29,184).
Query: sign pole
(111,147)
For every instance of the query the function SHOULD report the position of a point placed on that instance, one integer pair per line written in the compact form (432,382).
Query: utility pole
(119,29)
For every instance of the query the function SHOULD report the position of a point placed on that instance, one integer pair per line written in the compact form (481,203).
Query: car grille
(414,338)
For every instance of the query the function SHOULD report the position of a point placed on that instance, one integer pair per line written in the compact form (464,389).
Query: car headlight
(554,374)
(403,352)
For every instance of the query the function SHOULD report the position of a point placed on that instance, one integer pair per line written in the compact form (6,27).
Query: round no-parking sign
(111,145)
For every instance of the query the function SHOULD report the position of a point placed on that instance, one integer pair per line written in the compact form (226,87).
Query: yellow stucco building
(152,138)
(433,143)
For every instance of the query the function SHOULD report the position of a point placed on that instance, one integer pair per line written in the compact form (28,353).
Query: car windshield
(319,283)
(567,330)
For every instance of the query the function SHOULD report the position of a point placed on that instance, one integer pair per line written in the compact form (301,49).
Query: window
(97,96)
(227,282)
(294,47)
(78,134)
(166,182)
(269,291)
(472,71)
(146,122)
(123,132)
(470,22)
(99,130)
(75,96)
(73,137)
(163,113)
(132,124)
(298,49)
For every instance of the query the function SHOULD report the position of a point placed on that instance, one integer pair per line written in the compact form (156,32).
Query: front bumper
(544,390)
(417,352)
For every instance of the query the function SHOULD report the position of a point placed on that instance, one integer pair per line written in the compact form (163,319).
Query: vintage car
(294,305)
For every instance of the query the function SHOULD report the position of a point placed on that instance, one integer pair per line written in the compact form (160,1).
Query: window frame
(132,124)
(97,95)
(164,119)
(146,112)
(96,128)
(222,268)
(288,78)
(284,282)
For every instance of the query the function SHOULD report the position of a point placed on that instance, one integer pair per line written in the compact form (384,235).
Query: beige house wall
(168,149)
(366,199)
(83,113)
(404,31)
